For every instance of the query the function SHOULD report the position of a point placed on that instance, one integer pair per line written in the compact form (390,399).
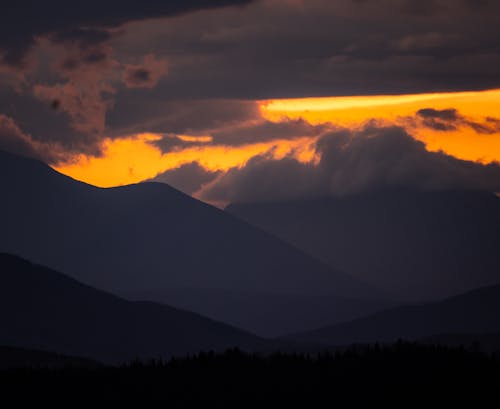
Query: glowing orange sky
(353,111)
(134,158)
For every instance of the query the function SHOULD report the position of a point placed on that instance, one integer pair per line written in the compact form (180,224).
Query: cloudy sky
(240,100)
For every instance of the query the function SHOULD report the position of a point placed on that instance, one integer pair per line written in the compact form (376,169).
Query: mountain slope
(145,236)
(417,245)
(45,310)
(150,237)
(475,312)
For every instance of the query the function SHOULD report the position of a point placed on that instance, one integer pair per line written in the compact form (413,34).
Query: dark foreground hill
(150,237)
(419,245)
(399,376)
(476,312)
(11,358)
(485,342)
(44,310)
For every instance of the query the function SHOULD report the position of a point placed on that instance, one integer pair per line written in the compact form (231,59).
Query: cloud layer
(351,162)
(23,20)
(172,67)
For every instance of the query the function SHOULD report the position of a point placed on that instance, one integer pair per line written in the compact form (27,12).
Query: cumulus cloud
(351,162)
(188,178)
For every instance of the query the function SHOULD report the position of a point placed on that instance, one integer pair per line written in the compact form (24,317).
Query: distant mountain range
(44,310)
(472,314)
(152,239)
(418,245)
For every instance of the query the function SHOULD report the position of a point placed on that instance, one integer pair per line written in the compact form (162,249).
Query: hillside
(138,239)
(417,245)
(475,312)
(44,310)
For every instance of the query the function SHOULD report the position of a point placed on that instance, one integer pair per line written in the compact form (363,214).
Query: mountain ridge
(43,309)
(418,245)
(474,312)
(149,236)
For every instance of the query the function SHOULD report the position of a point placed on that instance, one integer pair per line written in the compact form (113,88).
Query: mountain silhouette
(418,245)
(475,312)
(45,310)
(152,239)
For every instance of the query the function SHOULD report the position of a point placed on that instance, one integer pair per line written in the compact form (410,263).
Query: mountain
(45,310)
(267,314)
(417,245)
(145,238)
(475,312)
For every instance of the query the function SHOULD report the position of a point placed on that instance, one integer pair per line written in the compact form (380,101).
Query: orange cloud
(355,111)
(135,158)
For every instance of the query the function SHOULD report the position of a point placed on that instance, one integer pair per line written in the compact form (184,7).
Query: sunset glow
(134,159)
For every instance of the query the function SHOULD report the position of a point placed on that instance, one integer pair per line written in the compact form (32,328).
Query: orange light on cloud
(345,110)
(189,138)
(355,111)
(134,158)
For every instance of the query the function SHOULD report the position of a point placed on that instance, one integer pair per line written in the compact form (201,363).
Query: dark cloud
(138,75)
(188,178)
(250,130)
(145,75)
(46,121)
(136,112)
(450,114)
(440,120)
(103,84)
(280,48)
(173,142)
(352,162)
(83,36)
(265,131)
(22,20)
(450,120)
(14,140)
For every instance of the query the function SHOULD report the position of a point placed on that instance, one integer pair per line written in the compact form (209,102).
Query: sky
(242,101)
